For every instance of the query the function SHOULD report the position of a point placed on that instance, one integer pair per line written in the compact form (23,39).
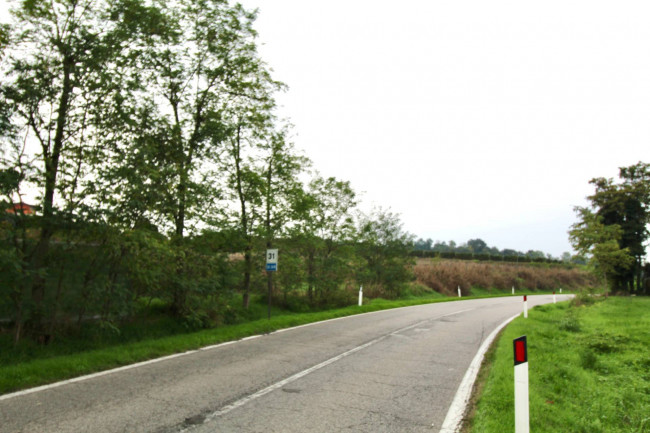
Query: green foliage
(522,258)
(69,62)
(167,140)
(591,237)
(570,322)
(146,124)
(477,249)
(383,247)
(607,342)
(322,234)
(613,231)
(9,182)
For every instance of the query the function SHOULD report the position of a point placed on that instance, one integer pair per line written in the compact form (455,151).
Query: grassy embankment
(589,367)
(154,334)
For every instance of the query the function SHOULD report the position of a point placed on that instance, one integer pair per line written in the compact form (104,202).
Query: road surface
(389,371)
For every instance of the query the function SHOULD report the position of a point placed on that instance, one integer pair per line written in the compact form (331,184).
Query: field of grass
(589,367)
(445,276)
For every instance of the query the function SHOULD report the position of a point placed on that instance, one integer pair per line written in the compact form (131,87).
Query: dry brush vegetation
(445,276)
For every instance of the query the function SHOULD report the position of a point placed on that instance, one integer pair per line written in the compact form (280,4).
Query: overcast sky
(472,119)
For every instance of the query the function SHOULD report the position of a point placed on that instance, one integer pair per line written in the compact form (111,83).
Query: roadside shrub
(570,322)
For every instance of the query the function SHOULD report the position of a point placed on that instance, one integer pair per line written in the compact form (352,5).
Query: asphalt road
(390,371)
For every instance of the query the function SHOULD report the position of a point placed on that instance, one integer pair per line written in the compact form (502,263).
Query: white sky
(472,119)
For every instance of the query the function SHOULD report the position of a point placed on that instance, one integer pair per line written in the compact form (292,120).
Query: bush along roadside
(589,368)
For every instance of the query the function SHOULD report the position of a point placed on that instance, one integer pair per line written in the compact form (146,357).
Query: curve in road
(394,370)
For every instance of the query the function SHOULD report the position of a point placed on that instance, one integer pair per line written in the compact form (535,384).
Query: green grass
(589,368)
(98,348)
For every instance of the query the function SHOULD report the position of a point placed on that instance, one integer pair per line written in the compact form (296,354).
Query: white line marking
(90,376)
(241,402)
(456,411)
(176,355)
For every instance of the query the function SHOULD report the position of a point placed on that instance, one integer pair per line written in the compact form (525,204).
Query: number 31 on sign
(271,260)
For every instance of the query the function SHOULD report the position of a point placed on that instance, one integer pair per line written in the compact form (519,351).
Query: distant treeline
(478,249)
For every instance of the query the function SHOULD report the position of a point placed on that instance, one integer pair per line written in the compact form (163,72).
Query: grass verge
(589,367)
(34,365)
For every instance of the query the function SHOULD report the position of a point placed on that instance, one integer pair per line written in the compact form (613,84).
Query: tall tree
(383,246)
(197,83)
(324,228)
(245,184)
(591,238)
(64,58)
(208,63)
(478,246)
(616,226)
(282,167)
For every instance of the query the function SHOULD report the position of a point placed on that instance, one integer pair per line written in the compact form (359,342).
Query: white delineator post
(522,424)
(554,299)
(525,307)
(560,291)
(513,290)
(459,291)
(360,295)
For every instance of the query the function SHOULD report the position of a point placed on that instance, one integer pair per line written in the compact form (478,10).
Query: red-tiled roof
(18,207)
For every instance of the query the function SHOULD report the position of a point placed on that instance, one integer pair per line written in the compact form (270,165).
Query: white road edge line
(241,402)
(175,355)
(458,406)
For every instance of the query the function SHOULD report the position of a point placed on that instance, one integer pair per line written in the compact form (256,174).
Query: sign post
(522,424)
(271,266)
(525,307)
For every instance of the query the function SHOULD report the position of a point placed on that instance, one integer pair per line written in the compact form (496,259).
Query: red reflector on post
(525,297)
(521,350)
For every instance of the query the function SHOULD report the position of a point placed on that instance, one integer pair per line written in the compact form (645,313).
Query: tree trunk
(179,293)
(17,299)
(248,266)
(310,276)
(243,220)
(40,258)
(638,276)
(268,231)
(57,301)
